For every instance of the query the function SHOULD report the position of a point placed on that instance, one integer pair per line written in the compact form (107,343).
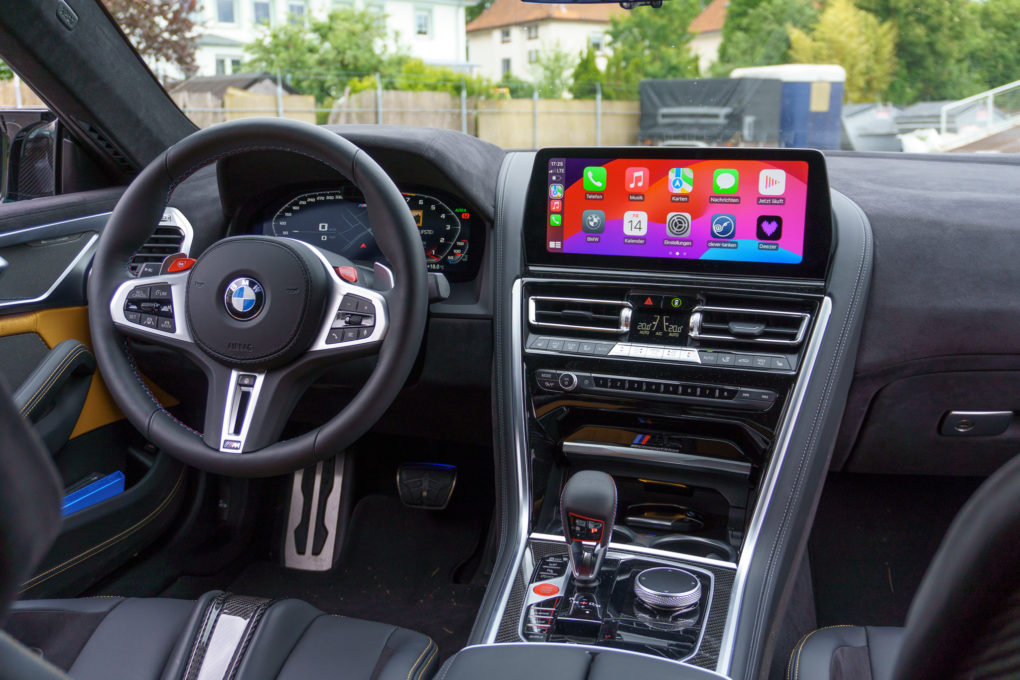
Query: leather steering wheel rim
(133,221)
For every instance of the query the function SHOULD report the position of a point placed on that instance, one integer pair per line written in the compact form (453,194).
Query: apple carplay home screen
(736,210)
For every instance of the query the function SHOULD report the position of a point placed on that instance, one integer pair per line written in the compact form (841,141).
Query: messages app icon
(594,178)
(681,180)
(725,181)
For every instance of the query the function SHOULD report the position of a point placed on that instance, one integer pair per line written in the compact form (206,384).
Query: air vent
(736,324)
(102,140)
(172,235)
(579,314)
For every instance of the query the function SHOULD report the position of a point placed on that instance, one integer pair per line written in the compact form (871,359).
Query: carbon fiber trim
(708,653)
(226,630)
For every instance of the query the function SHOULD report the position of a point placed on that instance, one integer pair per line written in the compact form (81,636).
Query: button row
(605,382)
(766,362)
(151,307)
(355,320)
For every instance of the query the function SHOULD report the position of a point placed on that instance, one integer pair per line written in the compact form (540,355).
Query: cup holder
(697,546)
(623,535)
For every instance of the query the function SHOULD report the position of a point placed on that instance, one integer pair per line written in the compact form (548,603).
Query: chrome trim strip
(684,461)
(178,289)
(518,425)
(230,408)
(643,550)
(75,225)
(768,487)
(623,326)
(86,250)
(172,217)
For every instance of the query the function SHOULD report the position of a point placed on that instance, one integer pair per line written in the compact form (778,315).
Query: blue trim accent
(442,466)
(96,492)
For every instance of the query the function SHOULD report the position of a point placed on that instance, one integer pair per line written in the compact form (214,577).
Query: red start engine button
(546,589)
(180,264)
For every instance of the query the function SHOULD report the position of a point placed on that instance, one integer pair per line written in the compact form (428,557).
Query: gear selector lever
(588,511)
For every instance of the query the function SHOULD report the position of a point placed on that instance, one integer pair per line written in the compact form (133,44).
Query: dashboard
(335,218)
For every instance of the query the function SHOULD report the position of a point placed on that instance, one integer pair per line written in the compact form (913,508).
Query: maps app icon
(681,180)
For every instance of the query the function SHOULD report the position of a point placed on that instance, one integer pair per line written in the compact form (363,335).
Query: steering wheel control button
(159,292)
(139,293)
(150,321)
(165,324)
(149,269)
(175,265)
(246,380)
(244,298)
(347,273)
(133,317)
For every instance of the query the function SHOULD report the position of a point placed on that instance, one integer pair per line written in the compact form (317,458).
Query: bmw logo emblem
(244,299)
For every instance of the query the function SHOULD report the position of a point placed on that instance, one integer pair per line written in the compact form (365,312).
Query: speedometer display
(337,220)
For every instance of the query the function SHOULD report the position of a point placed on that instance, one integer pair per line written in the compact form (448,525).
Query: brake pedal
(313,517)
(426,485)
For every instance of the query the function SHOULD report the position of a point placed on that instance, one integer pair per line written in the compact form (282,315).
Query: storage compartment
(902,431)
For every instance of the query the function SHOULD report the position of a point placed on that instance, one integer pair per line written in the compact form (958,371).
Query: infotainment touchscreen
(753,210)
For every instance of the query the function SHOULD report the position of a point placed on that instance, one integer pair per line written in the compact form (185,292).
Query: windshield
(867,75)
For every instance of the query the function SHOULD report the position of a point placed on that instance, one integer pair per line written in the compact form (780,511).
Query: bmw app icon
(244,299)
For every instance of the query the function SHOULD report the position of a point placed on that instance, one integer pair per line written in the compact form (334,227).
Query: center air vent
(579,314)
(736,324)
(173,235)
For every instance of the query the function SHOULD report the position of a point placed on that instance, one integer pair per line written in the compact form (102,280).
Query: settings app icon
(678,224)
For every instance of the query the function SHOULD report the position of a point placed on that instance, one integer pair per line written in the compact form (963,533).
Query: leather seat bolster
(846,653)
(58,629)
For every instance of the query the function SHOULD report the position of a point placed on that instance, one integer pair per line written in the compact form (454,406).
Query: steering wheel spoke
(233,402)
(357,323)
(153,308)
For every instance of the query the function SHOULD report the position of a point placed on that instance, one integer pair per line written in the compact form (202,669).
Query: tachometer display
(438,225)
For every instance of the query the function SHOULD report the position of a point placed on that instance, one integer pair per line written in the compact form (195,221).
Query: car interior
(280,400)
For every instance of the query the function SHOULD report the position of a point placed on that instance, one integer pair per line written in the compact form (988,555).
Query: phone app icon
(770,227)
(680,180)
(556,206)
(772,182)
(678,223)
(555,220)
(555,191)
(636,180)
(594,178)
(724,226)
(725,181)
(593,221)
(635,223)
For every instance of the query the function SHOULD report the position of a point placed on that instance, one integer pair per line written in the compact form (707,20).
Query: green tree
(587,76)
(5,71)
(857,41)
(995,54)
(321,56)
(552,71)
(518,88)
(651,43)
(932,42)
(759,35)
(472,12)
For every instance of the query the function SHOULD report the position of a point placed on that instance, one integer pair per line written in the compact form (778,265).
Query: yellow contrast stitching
(800,648)
(428,646)
(41,390)
(81,557)
(427,662)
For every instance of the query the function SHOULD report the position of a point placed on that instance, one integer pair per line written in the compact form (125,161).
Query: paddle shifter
(588,511)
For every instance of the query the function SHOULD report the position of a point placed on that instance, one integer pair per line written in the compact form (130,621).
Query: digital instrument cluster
(336,219)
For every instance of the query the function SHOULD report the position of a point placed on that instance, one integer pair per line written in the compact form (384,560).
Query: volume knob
(568,381)
(668,588)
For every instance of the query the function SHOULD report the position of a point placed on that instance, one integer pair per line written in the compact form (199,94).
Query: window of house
(504,35)
(378,11)
(297,11)
(262,12)
(531,31)
(596,40)
(532,56)
(225,66)
(226,12)
(423,22)
(235,65)
(506,67)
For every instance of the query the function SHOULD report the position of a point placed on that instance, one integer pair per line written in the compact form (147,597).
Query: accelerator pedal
(426,485)
(310,543)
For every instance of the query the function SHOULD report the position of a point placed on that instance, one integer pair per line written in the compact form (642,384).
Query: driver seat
(219,636)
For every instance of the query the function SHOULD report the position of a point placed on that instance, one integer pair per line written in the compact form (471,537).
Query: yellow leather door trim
(65,323)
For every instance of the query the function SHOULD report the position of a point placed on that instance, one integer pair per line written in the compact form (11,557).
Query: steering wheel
(262,316)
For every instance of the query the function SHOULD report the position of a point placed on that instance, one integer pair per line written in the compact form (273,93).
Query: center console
(662,333)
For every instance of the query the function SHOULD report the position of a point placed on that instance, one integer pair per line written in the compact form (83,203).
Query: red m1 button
(348,274)
(181,264)
(546,589)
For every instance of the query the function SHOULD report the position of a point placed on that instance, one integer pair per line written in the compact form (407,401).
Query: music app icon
(636,180)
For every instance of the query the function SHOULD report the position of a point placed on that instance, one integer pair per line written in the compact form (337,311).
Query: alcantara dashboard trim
(518,416)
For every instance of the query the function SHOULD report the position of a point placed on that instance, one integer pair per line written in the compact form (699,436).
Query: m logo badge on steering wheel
(244,299)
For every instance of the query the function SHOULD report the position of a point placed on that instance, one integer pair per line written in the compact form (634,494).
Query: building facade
(509,36)
(431,30)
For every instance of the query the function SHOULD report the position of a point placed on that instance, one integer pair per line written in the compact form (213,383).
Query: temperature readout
(660,327)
